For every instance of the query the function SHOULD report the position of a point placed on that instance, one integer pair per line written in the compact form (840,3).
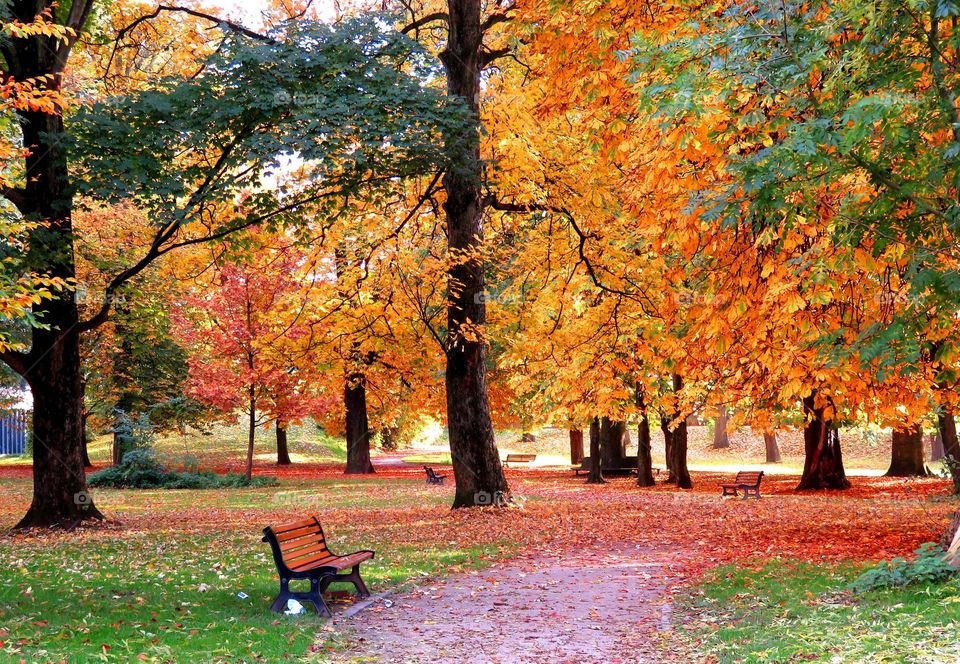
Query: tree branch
(17,196)
(429,18)
(15,360)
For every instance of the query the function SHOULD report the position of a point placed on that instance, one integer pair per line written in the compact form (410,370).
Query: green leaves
(317,115)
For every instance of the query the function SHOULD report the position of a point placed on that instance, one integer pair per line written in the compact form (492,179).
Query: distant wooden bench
(300,552)
(433,477)
(520,458)
(747,481)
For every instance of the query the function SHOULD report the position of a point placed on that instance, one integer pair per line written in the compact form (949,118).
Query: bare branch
(441,17)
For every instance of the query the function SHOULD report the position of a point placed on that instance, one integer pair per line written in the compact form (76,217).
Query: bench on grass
(747,481)
(433,477)
(300,552)
(519,458)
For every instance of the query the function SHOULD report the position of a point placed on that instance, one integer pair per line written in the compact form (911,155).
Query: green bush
(140,469)
(928,567)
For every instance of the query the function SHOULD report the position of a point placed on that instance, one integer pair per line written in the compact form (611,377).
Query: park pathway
(585,606)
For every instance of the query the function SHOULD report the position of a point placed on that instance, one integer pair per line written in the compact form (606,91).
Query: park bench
(300,552)
(746,481)
(520,458)
(433,477)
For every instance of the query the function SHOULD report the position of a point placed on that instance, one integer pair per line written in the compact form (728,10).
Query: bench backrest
(431,473)
(749,477)
(297,544)
(521,457)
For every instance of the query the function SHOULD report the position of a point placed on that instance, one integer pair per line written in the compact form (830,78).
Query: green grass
(163,593)
(787,612)
(437,459)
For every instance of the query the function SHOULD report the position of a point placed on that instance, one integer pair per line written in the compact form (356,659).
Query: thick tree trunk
(476,461)
(823,459)
(358,427)
(951,446)
(52,366)
(906,453)
(576,447)
(771,447)
(283,450)
(721,439)
(644,451)
(596,467)
(613,443)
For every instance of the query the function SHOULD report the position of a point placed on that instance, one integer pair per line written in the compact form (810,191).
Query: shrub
(140,469)
(928,567)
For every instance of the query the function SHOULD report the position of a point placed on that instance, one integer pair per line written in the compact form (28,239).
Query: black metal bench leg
(316,596)
(357,582)
(281,601)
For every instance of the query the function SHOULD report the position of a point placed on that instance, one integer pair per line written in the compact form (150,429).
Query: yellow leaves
(795,303)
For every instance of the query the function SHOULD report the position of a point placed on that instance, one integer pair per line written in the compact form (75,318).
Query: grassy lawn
(785,612)
(164,585)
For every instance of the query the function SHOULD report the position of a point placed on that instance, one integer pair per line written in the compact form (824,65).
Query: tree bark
(721,439)
(936,446)
(612,443)
(951,446)
(476,461)
(678,444)
(283,450)
(644,451)
(667,446)
(772,448)
(251,428)
(576,447)
(823,458)
(596,467)
(358,427)
(906,453)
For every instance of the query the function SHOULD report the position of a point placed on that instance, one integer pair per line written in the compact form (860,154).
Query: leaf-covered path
(581,605)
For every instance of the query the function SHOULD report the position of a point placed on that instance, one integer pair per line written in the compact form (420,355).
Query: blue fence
(13,432)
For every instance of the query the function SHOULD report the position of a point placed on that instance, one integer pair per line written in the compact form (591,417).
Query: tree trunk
(358,427)
(936,446)
(771,447)
(476,461)
(644,451)
(823,458)
(596,467)
(951,446)
(283,451)
(86,452)
(251,429)
(612,443)
(52,367)
(721,439)
(678,444)
(576,447)
(667,446)
(906,453)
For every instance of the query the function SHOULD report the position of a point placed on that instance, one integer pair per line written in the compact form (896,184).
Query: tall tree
(181,152)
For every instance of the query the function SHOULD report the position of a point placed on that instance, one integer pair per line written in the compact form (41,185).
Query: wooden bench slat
(277,530)
(296,534)
(291,556)
(300,542)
